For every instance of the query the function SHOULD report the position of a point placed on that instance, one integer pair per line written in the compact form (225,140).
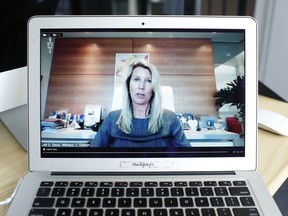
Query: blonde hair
(156,111)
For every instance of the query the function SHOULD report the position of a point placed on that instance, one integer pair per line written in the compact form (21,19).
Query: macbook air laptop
(209,64)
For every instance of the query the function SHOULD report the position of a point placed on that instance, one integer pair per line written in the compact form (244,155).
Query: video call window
(82,83)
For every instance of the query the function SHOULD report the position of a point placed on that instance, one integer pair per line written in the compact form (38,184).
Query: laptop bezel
(36,163)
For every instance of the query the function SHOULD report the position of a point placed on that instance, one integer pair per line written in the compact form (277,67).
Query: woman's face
(140,85)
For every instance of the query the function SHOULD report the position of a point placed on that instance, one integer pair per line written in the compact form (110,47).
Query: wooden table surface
(273,149)
(272,156)
(13,164)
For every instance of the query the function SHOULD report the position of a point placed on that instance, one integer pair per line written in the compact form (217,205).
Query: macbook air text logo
(143,165)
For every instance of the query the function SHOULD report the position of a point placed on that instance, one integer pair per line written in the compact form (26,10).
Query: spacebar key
(246,212)
(42,212)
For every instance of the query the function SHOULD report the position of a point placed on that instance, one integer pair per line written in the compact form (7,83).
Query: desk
(65,133)
(67,137)
(273,149)
(212,138)
(84,137)
(13,164)
(273,156)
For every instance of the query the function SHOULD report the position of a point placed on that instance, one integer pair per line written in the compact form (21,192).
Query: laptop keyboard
(179,198)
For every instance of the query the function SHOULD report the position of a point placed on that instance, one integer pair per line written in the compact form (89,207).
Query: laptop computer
(76,63)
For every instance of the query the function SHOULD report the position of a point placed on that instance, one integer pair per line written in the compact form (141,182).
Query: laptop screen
(193,79)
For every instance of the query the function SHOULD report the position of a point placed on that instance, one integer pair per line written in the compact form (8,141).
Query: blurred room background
(157,7)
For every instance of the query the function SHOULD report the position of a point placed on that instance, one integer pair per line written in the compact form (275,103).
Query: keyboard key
(78,202)
(42,212)
(224,212)
(76,184)
(128,212)
(132,192)
(208,212)
(144,212)
(91,184)
(73,192)
(221,191)
(63,202)
(201,202)
(217,201)
(160,212)
(191,192)
(124,202)
(88,192)
(102,192)
(247,201)
(117,192)
(43,202)
(210,183)
(64,212)
(58,192)
(195,183)
(140,202)
(239,191)
(177,192)
(206,191)
(96,212)
(162,192)
(155,202)
(176,212)
(186,202)
(136,184)
(46,184)
(147,192)
(80,212)
(232,201)
(166,184)
(181,184)
(61,184)
(171,202)
(112,212)
(151,184)
(225,183)
(109,202)
(246,212)
(93,202)
(121,184)
(192,212)
(239,183)
(106,184)
(43,191)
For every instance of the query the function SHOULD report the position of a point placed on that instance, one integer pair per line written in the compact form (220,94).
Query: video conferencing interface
(142,93)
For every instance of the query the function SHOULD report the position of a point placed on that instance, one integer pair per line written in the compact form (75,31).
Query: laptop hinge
(142,173)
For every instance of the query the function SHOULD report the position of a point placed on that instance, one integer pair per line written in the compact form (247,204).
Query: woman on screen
(142,122)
